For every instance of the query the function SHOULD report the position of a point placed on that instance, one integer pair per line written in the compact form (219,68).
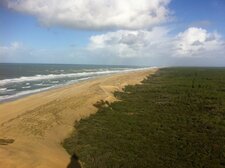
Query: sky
(118,32)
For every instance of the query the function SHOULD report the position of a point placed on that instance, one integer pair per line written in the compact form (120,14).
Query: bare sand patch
(36,125)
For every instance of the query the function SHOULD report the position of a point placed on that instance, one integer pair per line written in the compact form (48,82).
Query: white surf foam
(59,76)
(54,81)
(85,76)
(10,90)
(26,87)
(23,93)
(3,89)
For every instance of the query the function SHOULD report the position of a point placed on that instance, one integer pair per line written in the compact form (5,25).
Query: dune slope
(32,128)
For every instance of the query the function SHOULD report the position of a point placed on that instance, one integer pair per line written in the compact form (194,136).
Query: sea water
(18,80)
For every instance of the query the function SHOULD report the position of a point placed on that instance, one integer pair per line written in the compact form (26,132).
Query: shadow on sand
(74,163)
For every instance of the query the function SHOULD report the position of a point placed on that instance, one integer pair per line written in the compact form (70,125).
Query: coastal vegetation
(174,118)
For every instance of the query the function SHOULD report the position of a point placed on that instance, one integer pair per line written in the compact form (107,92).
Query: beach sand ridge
(33,127)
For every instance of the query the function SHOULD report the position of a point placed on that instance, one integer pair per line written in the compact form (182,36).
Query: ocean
(17,80)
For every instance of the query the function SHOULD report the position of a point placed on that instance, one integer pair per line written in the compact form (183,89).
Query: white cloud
(97,14)
(138,43)
(11,48)
(158,43)
(197,42)
(194,46)
(137,37)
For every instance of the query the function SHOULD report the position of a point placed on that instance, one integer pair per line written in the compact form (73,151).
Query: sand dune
(32,128)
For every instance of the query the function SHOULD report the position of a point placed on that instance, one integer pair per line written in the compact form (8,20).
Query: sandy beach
(32,128)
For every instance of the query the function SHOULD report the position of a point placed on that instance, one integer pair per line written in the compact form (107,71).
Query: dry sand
(39,123)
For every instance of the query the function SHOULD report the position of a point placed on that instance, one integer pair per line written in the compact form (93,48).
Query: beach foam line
(54,81)
(40,84)
(10,90)
(23,93)
(28,92)
(3,89)
(59,76)
(26,87)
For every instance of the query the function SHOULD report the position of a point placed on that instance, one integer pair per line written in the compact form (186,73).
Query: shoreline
(37,124)
(46,90)
(32,92)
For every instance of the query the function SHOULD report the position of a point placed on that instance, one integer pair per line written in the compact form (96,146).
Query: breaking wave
(60,76)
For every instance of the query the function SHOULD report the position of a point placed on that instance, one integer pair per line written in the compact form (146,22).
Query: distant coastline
(19,80)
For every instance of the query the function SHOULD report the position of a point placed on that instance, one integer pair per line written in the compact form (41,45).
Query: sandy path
(39,123)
